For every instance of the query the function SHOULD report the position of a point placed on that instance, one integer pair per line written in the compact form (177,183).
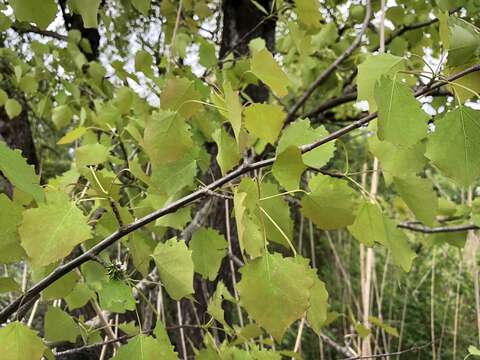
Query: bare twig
(412,349)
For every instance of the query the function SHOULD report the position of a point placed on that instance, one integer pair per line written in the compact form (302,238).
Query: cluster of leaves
(127,159)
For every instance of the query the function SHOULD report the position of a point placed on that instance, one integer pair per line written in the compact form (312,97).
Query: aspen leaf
(31,11)
(228,155)
(266,69)
(88,10)
(371,70)
(401,121)
(71,136)
(91,154)
(455,145)
(300,133)
(264,121)
(51,231)
(317,312)
(419,196)
(143,62)
(59,326)
(288,168)
(143,347)
(330,204)
(275,291)
(19,342)
(308,12)
(208,250)
(167,138)
(372,226)
(12,108)
(141,5)
(10,218)
(116,296)
(19,173)
(175,266)
(8,285)
(180,95)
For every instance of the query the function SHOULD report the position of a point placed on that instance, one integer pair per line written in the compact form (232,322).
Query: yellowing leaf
(175,266)
(12,108)
(288,168)
(167,138)
(19,342)
(227,155)
(308,12)
(371,70)
(265,67)
(180,95)
(208,250)
(19,173)
(455,145)
(51,231)
(331,203)
(301,133)
(401,121)
(71,136)
(31,11)
(264,121)
(275,291)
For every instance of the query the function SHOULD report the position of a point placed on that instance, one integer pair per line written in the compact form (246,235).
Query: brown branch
(328,71)
(436,230)
(33,29)
(387,355)
(64,269)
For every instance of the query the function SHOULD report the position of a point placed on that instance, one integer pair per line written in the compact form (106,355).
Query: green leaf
(116,296)
(275,291)
(317,312)
(308,12)
(419,196)
(215,304)
(30,11)
(227,155)
(465,87)
(463,42)
(161,336)
(265,121)
(209,248)
(388,329)
(141,5)
(3,97)
(58,289)
(8,285)
(288,168)
(59,326)
(371,70)
(71,136)
(51,231)
(207,56)
(10,218)
(19,173)
(180,95)
(12,108)
(331,203)
(230,108)
(88,10)
(175,266)
(28,84)
(167,138)
(143,62)
(401,121)
(170,178)
(362,330)
(371,226)
(473,350)
(62,116)
(19,342)
(79,296)
(141,248)
(143,347)
(455,145)
(265,67)
(300,133)
(398,161)
(91,154)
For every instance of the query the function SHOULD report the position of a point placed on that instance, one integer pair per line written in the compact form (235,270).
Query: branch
(387,355)
(339,348)
(36,30)
(436,230)
(64,269)
(328,71)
